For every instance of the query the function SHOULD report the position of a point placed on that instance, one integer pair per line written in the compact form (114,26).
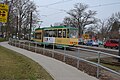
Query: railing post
(15,43)
(43,48)
(36,47)
(64,53)
(9,40)
(53,46)
(24,45)
(12,42)
(98,69)
(19,44)
(78,59)
(29,45)
(53,50)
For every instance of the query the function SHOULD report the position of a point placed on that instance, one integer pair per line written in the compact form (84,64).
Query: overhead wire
(62,10)
(59,2)
(105,4)
(62,1)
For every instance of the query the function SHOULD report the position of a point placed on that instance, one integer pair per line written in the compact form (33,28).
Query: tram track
(111,51)
(85,51)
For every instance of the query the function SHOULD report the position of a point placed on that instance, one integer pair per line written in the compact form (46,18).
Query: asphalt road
(80,53)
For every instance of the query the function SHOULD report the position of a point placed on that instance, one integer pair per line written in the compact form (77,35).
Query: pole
(119,46)
(53,50)
(30,25)
(64,53)
(8,27)
(98,69)
(119,49)
(7,24)
(78,62)
(36,47)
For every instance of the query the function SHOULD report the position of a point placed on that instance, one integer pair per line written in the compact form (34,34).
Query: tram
(58,35)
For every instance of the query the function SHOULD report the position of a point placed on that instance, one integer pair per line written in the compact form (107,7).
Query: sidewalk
(58,69)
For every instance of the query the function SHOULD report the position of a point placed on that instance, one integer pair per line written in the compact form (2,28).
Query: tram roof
(56,27)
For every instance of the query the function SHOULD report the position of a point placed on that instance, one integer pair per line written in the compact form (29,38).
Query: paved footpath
(57,69)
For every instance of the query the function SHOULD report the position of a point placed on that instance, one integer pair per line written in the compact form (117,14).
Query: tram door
(39,36)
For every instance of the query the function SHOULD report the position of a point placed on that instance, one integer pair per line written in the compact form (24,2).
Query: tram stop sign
(86,36)
(3,13)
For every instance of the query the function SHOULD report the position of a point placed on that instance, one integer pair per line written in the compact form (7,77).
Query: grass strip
(14,66)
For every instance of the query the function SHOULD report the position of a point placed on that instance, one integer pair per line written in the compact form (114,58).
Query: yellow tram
(59,35)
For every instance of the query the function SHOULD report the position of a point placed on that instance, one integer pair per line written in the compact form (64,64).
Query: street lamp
(40,22)
(119,46)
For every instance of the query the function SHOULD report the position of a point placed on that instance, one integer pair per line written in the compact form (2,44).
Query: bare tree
(102,27)
(21,10)
(109,28)
(69,22)
(112,25)
(82,17)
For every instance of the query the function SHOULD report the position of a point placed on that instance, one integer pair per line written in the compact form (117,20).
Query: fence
(92,68)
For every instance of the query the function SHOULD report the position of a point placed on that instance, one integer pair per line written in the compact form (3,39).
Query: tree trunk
(80,32)
(16,33)
(19,32)
(30,26)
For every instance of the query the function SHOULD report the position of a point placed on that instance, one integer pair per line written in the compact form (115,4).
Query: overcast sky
(49,10)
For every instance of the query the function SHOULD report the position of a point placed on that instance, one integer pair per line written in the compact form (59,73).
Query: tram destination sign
(3,13)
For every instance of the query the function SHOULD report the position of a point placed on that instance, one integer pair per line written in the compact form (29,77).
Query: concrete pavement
(57,69)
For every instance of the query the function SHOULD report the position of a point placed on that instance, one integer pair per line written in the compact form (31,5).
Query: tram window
(37,35)
(55,33)
(60,33)
(64,33)
(46,34)
(50,33)
(67,33)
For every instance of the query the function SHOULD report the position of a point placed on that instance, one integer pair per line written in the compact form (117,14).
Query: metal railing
(30,45)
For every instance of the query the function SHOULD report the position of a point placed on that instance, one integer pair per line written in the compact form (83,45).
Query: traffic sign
(3,13)
(86,36)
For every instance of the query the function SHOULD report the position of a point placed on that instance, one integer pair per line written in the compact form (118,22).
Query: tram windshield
(73,33)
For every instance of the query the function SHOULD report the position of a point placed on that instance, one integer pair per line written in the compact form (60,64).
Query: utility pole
(7,28)
(30,25)
(119,46)
(8,22)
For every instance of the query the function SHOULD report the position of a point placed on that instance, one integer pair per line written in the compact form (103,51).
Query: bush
(2,39)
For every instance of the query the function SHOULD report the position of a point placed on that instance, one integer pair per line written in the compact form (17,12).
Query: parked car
(112,43)
(85,41)
(100,42)
(81,41)
(92,43)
